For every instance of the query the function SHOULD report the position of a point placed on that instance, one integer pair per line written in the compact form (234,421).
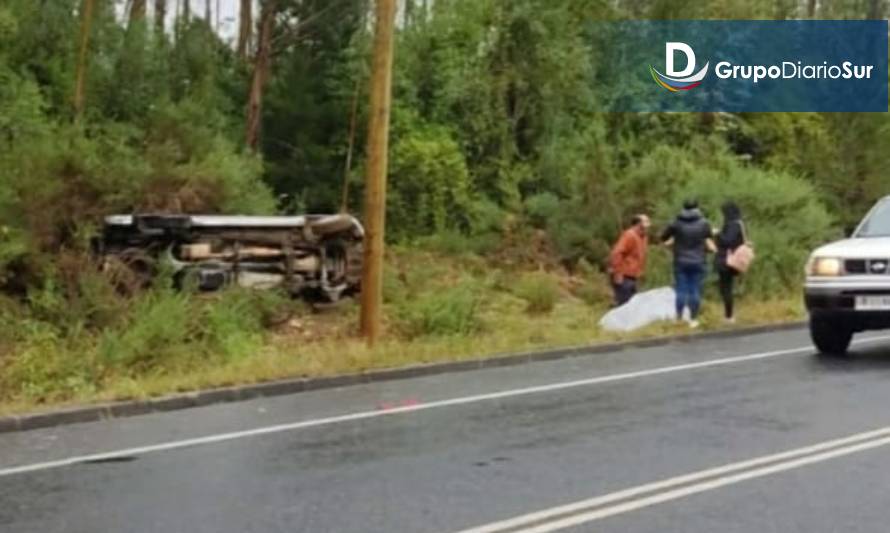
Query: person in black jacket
(731,236)
(690,235)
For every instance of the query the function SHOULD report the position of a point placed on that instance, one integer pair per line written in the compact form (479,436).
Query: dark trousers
(624,291)
(688,285)
(727,281)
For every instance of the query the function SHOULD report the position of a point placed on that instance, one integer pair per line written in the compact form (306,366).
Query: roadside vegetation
(506,189)
(439,308)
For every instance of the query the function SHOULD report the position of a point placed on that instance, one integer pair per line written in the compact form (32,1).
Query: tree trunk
(811,9)
(86,21)
(186,11)
(245,29)
(160,16)
(208,13)
(875,9)
(137,11)
(409,13)
(261,68)
(353,124)
(216,25)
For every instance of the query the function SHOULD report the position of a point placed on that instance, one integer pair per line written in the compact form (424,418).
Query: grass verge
(438,309)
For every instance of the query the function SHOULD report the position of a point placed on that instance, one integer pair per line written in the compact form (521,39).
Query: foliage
(783,218)
(540,292)
(450,313)
(429,183)
(495,152)
(157,332)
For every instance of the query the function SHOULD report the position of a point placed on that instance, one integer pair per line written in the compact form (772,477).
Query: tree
(245,29)
(261,69)
(160,16)
(137,11)
(86,21)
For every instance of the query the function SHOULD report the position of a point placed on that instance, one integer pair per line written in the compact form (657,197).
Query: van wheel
(831,337)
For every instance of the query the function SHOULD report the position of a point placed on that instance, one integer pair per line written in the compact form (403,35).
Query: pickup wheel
(831,337)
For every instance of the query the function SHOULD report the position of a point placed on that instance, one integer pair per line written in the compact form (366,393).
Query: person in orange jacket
(627,262)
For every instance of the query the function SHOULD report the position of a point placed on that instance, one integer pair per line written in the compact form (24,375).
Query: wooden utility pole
(375,180)
(86,21)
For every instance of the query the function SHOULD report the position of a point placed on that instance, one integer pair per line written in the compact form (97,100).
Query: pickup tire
(831,337)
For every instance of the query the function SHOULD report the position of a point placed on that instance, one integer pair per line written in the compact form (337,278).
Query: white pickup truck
(848,284)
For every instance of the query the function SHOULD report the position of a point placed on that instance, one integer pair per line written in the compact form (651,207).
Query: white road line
(711,483)
(680,484)
(513,393)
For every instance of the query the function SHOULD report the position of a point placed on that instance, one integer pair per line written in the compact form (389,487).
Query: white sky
(228,13)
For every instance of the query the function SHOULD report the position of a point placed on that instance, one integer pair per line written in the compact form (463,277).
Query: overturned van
(313,256)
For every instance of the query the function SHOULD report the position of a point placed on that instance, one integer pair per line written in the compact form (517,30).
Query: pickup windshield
(878,222)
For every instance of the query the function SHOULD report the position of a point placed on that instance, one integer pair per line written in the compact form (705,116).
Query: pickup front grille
(874,267)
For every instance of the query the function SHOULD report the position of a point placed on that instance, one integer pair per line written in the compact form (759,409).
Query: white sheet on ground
(643,309)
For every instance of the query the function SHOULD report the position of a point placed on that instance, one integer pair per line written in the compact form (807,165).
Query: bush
(596,290)
(541,208)
(540,291)
(158,331)
(591,295)
(456,243)
(446,313)
(784,216)
(429,181)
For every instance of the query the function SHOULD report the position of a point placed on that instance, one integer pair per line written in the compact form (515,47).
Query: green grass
(440,309)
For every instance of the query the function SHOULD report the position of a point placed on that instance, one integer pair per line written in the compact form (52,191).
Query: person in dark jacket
(690,235)
(731,236)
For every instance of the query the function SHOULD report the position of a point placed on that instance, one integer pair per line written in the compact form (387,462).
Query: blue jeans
(689,280)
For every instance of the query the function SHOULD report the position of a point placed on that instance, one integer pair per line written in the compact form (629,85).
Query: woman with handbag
(734,255)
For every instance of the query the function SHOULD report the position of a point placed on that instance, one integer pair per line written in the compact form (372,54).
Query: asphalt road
(753,434)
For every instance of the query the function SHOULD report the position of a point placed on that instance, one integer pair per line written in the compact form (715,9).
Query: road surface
(753,434)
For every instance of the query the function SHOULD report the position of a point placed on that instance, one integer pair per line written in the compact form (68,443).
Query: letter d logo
(670,50)
(675,80)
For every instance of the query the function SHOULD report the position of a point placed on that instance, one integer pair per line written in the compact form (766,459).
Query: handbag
(741,258)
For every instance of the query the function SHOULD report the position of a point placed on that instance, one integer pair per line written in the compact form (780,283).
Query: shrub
(540,291)
(429,184)
(158,329)
(596,290)
(784,216)
(541,208)
(457,243)
(590,295)
(444,313)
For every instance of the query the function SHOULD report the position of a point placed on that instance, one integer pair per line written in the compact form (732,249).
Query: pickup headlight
(825,267)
